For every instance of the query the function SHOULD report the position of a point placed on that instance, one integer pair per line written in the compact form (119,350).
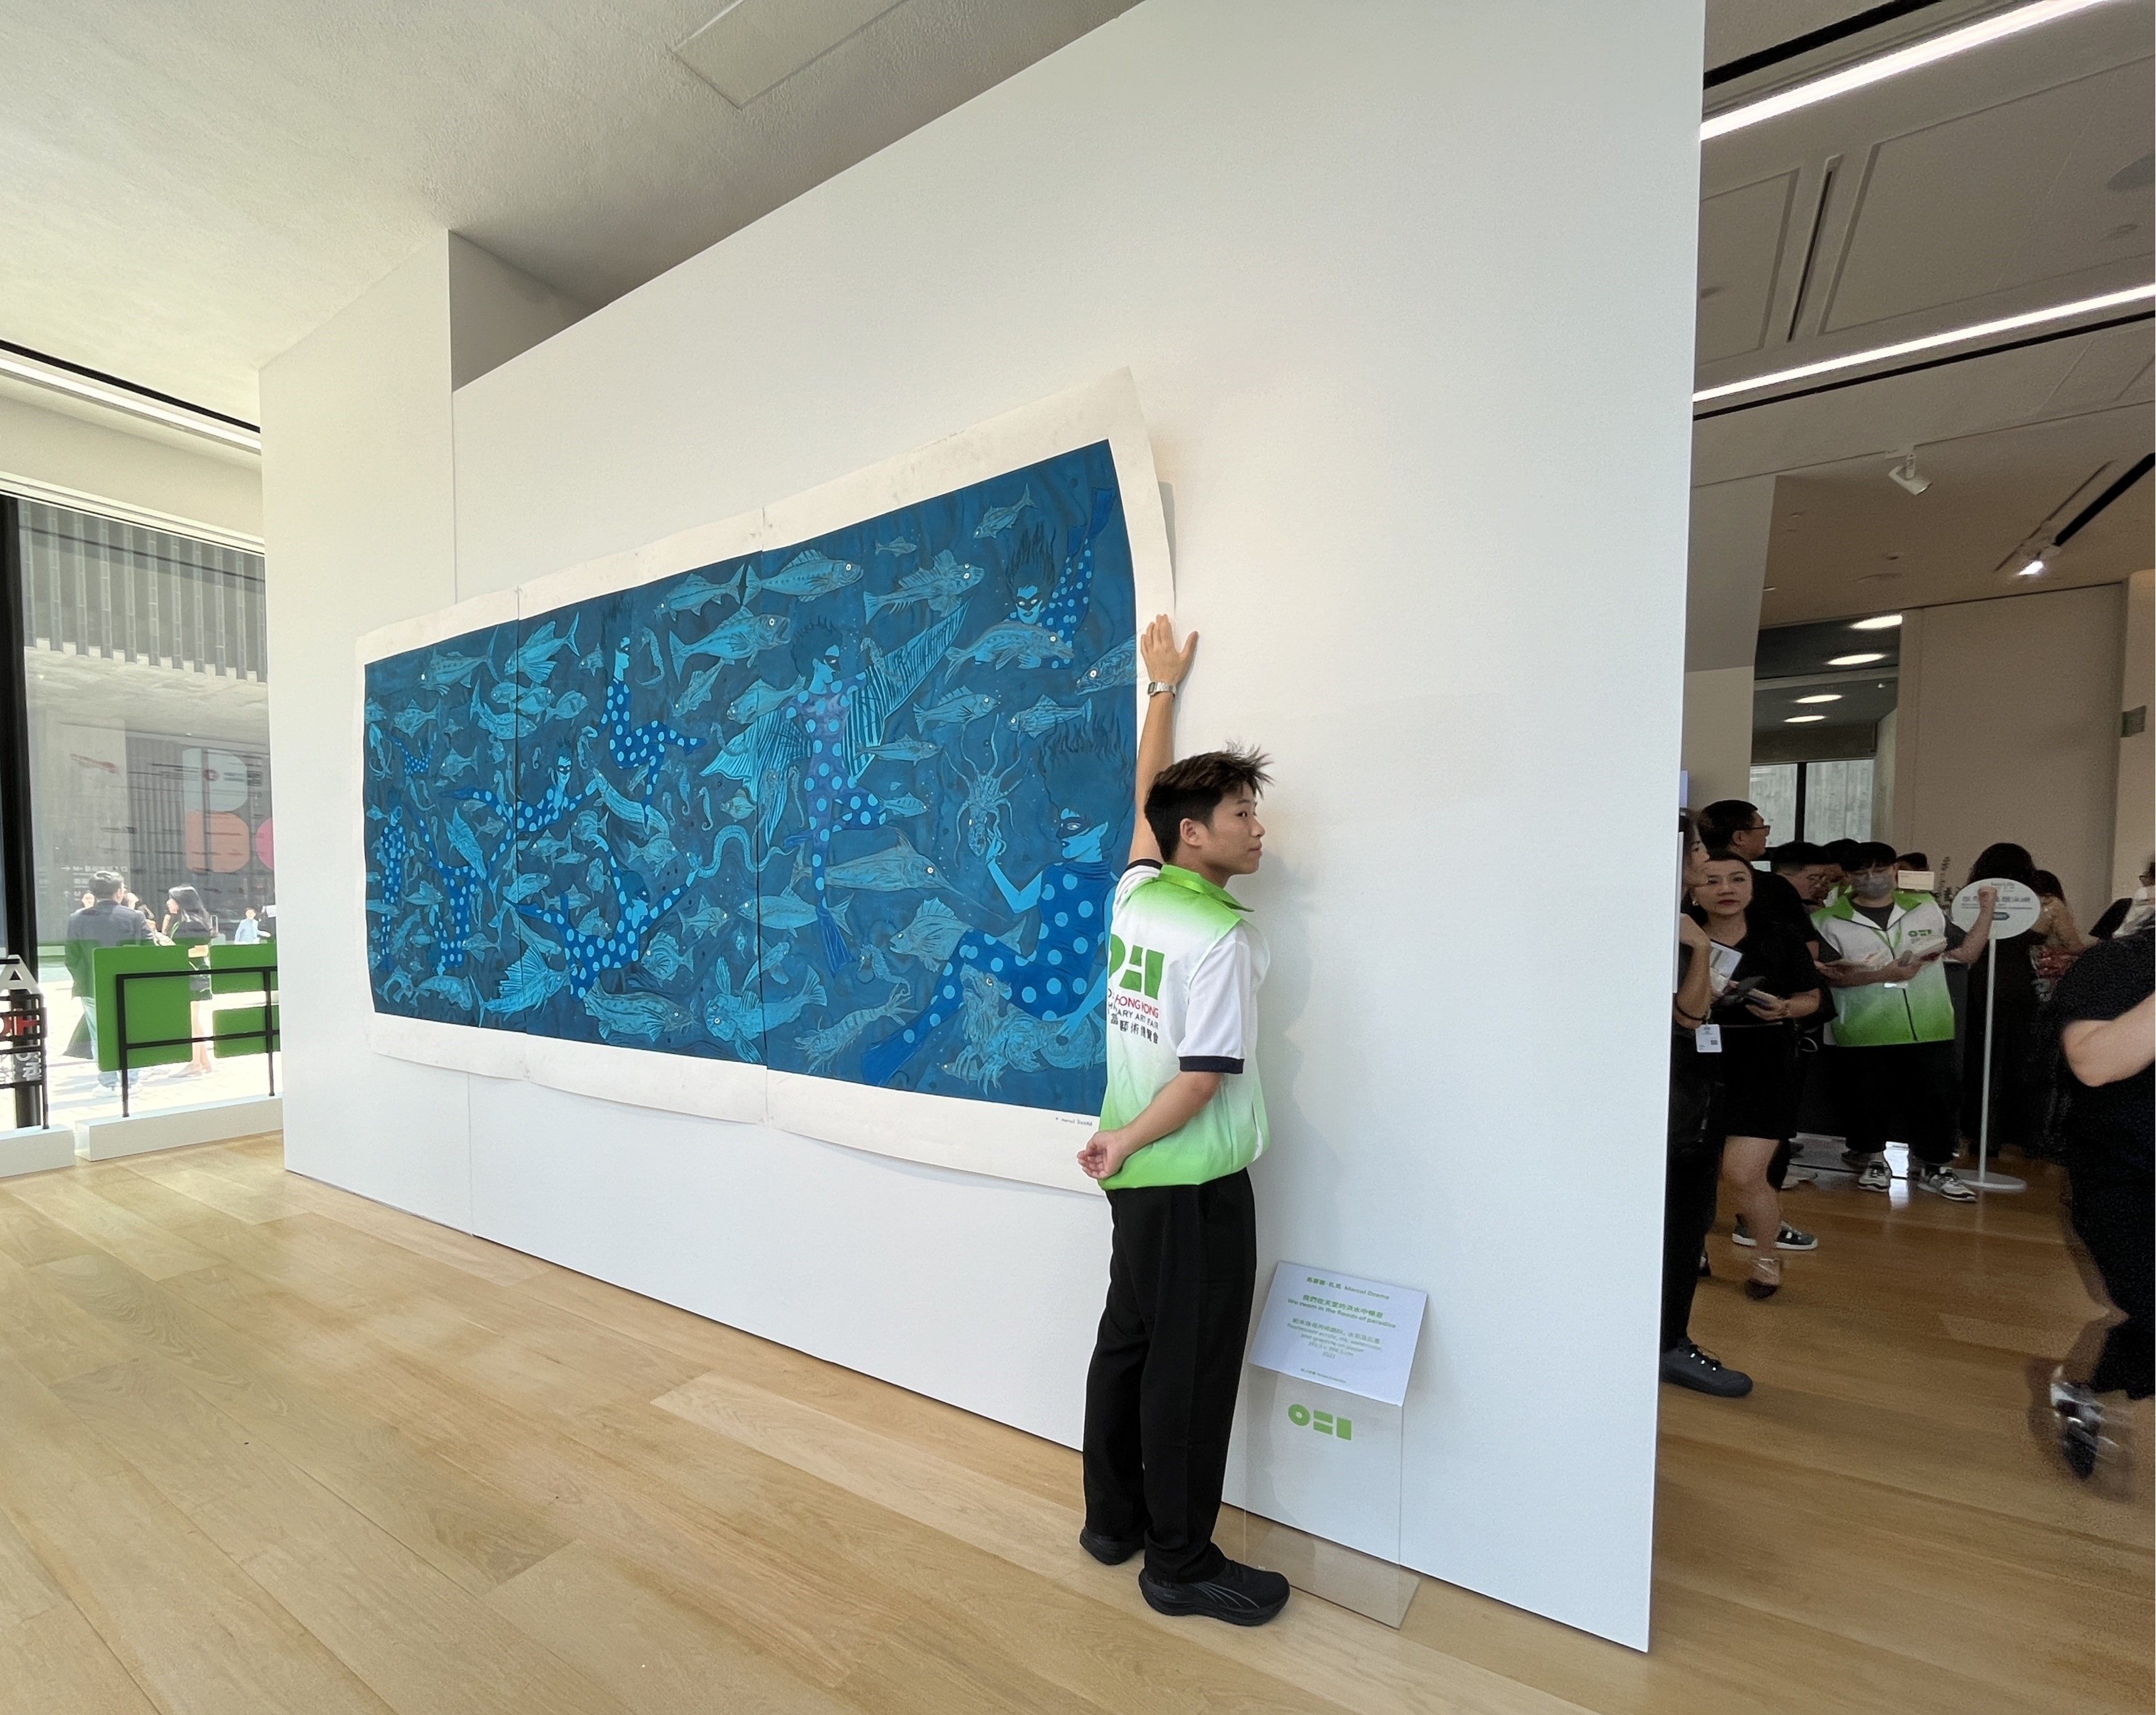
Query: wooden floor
(266,1446)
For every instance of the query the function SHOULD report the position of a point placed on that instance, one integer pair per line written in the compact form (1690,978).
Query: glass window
(1774,791)
(149,730)
(1838,801)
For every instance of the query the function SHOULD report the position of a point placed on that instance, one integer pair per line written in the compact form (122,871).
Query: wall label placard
(1356,1335)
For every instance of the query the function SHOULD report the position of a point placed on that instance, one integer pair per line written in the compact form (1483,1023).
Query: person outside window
(1762,980)
(2107,1040)
(1892,1065)
(105,922)
(1182,1121)
(248,930)
(188,924)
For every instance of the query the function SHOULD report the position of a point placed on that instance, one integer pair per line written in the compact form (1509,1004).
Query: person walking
(188,924)
(1182,1118)
(1891,1065)
(1693,1163)
(2107,1041)
(104,922)
(1764,982)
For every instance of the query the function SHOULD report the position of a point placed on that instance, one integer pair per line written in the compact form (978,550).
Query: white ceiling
(188,188)
(2009,179)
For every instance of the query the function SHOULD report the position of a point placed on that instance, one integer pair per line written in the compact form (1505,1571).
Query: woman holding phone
(1763,981)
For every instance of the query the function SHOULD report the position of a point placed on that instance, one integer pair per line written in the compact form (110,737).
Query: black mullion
(1803,780)
(19,886)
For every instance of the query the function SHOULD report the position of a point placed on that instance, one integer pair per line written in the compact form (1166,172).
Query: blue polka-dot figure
(553,804)
(1065,608)
(635,747)
(1070,896)
(590,956)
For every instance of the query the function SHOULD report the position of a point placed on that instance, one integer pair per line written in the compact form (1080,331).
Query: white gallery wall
(1428,459)
(2007,729)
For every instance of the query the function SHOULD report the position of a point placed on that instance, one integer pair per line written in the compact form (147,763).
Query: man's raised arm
(1166,666)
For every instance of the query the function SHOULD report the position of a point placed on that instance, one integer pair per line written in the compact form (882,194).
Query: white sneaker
(1944,1182)
(1875,1175)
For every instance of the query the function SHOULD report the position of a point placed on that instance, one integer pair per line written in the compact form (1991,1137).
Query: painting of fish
(998,518)
(739,639)
(774,809)
(808,575)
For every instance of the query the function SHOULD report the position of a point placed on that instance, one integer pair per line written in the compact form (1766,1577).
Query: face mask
(1871,887)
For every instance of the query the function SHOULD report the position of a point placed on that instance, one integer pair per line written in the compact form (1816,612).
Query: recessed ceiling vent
(753,46)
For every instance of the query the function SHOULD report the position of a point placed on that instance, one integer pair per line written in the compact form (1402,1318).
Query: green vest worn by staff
(1886,1015)
(1184,964)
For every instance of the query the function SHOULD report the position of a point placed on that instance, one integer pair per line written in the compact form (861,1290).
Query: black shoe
(1108,1550)
(1241,1596)
(2081,1424)
(1689,1367)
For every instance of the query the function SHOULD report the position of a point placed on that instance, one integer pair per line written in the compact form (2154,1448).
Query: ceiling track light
(151,406)
(1892,64)
(1955,336)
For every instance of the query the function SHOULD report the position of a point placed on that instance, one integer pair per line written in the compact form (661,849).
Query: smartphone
(1735,993)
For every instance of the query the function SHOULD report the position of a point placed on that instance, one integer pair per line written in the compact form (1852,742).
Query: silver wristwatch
(1154,688)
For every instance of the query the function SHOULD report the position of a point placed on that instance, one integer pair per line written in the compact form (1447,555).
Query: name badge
(1707,1039)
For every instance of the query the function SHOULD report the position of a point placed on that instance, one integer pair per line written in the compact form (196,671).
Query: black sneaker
(1109,1550)
(2081,1425)
(1241,1594)
(1789,1238)
(1689,1367)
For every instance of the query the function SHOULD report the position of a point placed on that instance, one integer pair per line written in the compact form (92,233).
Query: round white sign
(2017,910)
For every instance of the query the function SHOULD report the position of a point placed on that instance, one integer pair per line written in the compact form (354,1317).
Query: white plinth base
(176,1128)
(1995,1181)
(36,1150)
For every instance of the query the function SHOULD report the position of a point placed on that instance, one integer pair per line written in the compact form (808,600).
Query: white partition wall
(1407,290)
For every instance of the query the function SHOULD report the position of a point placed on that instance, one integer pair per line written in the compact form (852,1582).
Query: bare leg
(1744,1163)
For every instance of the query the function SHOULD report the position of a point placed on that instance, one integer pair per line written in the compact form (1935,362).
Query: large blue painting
(847,808)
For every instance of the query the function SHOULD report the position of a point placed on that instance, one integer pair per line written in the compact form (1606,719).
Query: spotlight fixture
(1800,719)
(1823,696)
(2034,565)
(1907,476)
(1884,622)
(1857,660)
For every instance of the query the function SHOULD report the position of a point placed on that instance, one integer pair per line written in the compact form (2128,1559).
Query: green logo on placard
(1324,1422)
(1138,967)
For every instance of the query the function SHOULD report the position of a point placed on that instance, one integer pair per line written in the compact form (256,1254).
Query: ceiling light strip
(1929,52)
(1929,342)
(117,397)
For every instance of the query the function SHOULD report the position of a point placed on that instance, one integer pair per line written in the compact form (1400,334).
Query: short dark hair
(1722,854)
(2005,862)
(1193,788)
(1841,852)
(106,885)
(1914,860)
(2047,885)
(1871,854)
(1796,854)
(1723,817)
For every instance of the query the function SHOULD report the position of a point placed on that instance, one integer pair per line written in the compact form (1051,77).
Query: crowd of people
(110,915)
(1830,978)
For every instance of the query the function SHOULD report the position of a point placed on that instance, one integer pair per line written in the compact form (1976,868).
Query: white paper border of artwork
(1034,1145)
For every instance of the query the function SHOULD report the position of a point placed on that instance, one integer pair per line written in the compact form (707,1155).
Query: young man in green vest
(1182,1121)
(1892,1065)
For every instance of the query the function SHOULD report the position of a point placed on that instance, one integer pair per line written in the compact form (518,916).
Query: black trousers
(2114,1214)
(1905,1093)
(1695,1169)
(1160,1396)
